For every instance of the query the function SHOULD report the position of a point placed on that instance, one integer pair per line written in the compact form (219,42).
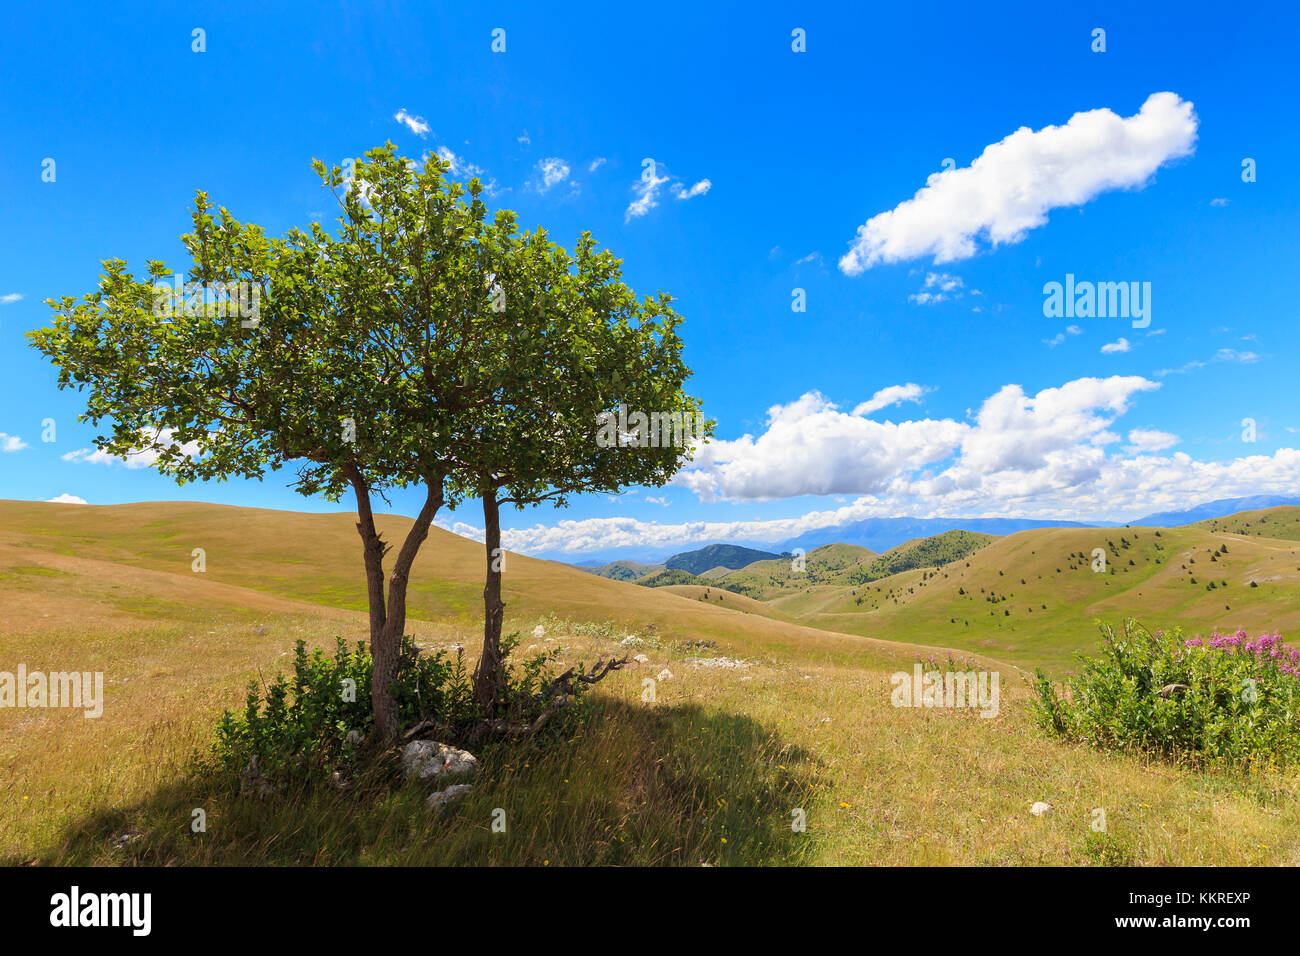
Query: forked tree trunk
(388,619)
(488,676)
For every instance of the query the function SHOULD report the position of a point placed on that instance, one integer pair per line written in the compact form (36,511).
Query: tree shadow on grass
(612,784)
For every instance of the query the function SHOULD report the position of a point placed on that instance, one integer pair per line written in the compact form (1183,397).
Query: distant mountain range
(881,534)
(1214,509)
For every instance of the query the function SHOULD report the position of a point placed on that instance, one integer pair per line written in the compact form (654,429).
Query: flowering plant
(1229,698)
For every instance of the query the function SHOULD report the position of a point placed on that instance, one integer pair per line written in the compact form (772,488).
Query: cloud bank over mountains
(1057,454)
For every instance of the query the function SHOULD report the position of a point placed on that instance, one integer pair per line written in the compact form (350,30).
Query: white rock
(641,659)
(440,799)
(727,662)
(539,632)
(665,674)
(430,760)
(1040,809)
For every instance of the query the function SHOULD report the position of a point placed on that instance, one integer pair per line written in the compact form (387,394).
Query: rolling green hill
(829,564)
(928,552)
(625,570)
(1281,522)
(716,555)
(1026,597)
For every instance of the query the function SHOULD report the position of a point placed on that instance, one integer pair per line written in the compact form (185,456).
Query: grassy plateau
(770,708)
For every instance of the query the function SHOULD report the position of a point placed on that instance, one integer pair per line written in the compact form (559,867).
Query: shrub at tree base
(1228,699)
(317,722)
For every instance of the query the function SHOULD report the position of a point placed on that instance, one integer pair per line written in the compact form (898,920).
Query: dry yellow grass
(710,772)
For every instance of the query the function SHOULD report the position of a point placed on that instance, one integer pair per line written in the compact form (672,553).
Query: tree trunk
(488,675)
(374,552)
(388,619)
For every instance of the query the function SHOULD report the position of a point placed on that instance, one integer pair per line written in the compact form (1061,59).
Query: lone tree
(371,358)
(350,361)
(572,346)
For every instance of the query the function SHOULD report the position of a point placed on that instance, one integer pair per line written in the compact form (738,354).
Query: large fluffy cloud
(1015,182)
(810,447)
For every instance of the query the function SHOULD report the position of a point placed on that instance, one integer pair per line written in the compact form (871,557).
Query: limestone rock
(430,760)
(440,799)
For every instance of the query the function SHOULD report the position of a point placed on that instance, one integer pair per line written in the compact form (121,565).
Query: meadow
(772,712)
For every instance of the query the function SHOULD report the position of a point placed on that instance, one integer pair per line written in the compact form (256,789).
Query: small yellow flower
(546,863)
(724,839)
(844,805)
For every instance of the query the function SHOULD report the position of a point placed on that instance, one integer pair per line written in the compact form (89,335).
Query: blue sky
(923,377)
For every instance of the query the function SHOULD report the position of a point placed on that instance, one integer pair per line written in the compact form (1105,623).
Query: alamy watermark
(132,911)
(242,300)
(922,688)
(1102,300)
(624,429)
(78,689)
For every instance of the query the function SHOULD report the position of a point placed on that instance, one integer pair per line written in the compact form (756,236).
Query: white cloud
(596,163)
(813,256)
(656,501)
(1120,345)
(1014,183)
(415,124)
(458,166)
(66,499)
(1222,355)
(523,139)
(10,298)
(699,189)
(645,192)
(810,447)
(646,189)
(893,395)
(1218,202)
(938,287)
(138,457)
(1059,337)
(1149,440)
(548,172)
(11,443)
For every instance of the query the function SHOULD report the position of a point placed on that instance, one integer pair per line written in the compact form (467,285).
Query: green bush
(317,721)
(1227,699)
